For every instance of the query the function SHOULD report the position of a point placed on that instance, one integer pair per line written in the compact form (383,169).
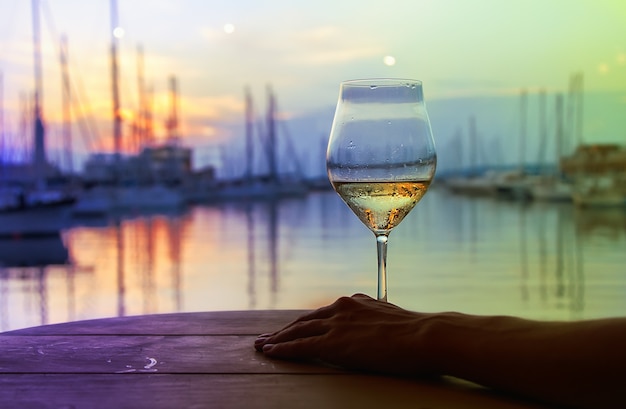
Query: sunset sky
(304,49)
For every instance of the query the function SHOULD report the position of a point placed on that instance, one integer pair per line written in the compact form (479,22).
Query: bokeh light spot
(118,32)
(603,68)
(389,60)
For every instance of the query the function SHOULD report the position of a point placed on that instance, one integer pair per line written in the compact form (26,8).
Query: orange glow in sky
(215,49)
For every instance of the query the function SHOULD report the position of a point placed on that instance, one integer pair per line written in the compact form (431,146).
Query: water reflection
(268,212)
(479,255)
(33,251)
(480,248)
(549,248)
(25,262)
(147,253)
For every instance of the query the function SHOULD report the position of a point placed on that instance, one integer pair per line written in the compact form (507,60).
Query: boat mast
(543,129)
(3,135)
(473,140)
(249,130)
(143,125)
(117,139)
(66,101)
(172,122)
(39,155)
(271,135)
(579,108)
(574,111)
(117,117)
(559,129)
(522,136)
(2,149)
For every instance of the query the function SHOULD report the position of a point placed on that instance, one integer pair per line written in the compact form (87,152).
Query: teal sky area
(459,49)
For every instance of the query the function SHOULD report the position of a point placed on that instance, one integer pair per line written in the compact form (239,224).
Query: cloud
(458,87)
(213,107)
(337,56)
(326,45)
(210,34)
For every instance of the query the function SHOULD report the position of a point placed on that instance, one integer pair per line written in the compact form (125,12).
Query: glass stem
(381,247)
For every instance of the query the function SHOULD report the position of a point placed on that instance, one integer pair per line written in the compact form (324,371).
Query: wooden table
(198,360)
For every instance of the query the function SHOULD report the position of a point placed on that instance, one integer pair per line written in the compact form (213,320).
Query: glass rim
(381,82)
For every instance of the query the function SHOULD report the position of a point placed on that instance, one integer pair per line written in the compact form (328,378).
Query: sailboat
(35,208)
(599,175)
(475,182)
(273,184)
(9,197)
(597,171)
(513,184)
(553,187)
(148,181)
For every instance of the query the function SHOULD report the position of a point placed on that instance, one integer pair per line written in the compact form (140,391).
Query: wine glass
(381,155)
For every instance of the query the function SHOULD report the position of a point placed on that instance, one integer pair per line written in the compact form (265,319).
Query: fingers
(298,349)
(320,313)
(329,310)
(298,330)
(312,324)
(323,312)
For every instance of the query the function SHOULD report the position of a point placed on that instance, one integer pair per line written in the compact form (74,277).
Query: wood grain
(110,354)
(193,323)
(199,360)
(239,391)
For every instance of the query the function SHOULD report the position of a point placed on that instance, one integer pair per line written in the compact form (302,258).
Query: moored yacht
(598,172)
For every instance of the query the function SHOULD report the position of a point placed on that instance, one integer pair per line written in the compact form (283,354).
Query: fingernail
(260,340)
(268,347)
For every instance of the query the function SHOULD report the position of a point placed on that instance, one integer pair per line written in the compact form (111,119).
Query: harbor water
(549,261)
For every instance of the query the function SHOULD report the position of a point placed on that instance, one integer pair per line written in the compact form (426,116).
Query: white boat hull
(105,200)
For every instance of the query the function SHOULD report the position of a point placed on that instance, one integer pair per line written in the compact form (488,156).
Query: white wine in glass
(381,155)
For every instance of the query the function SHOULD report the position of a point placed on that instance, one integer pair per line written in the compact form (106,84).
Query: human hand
(355,332)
